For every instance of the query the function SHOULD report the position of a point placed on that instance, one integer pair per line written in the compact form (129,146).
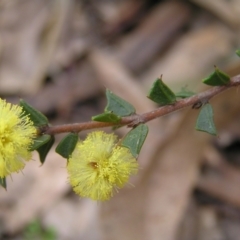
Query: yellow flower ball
(16,136)
(98,166)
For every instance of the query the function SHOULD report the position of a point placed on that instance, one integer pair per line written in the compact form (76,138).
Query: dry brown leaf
(28,43)
(228,11)
(192,56)
(34,192)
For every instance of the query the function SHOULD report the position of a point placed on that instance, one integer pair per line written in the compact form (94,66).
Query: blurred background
(60,55)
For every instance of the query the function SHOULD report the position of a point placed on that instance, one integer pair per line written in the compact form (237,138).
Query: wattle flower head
(16,136)
(98,166)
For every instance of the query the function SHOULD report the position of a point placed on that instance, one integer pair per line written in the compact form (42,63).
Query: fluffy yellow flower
(16,136)
(98,166)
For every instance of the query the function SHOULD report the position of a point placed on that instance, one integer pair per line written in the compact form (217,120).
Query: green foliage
(205,121)
(161,93)
(37,117)
(135,139)
(45,148)
(115,109)
(39,141)
(42,143)
(3,183)
(117,105)
(67,145)
(107,117)
(238,52)
(35,231)
(217,78)
(184,93)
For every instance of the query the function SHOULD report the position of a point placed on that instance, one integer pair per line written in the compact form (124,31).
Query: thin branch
(145,117)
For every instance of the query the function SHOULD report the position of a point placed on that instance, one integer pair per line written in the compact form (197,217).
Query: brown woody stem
(145,117)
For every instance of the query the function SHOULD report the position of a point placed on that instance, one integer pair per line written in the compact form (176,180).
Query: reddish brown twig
(135,119)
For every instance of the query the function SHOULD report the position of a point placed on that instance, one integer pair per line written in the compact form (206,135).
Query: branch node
(138,120)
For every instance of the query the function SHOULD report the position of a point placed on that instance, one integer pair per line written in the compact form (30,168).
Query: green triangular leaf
(135,139)
(205,121)
(39,141)
(3,183)
(217,78)
(44,149)
(161,93)
(37,117)
(117,105)
(184,93)
(238,52)
(107,117)
(67,145)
